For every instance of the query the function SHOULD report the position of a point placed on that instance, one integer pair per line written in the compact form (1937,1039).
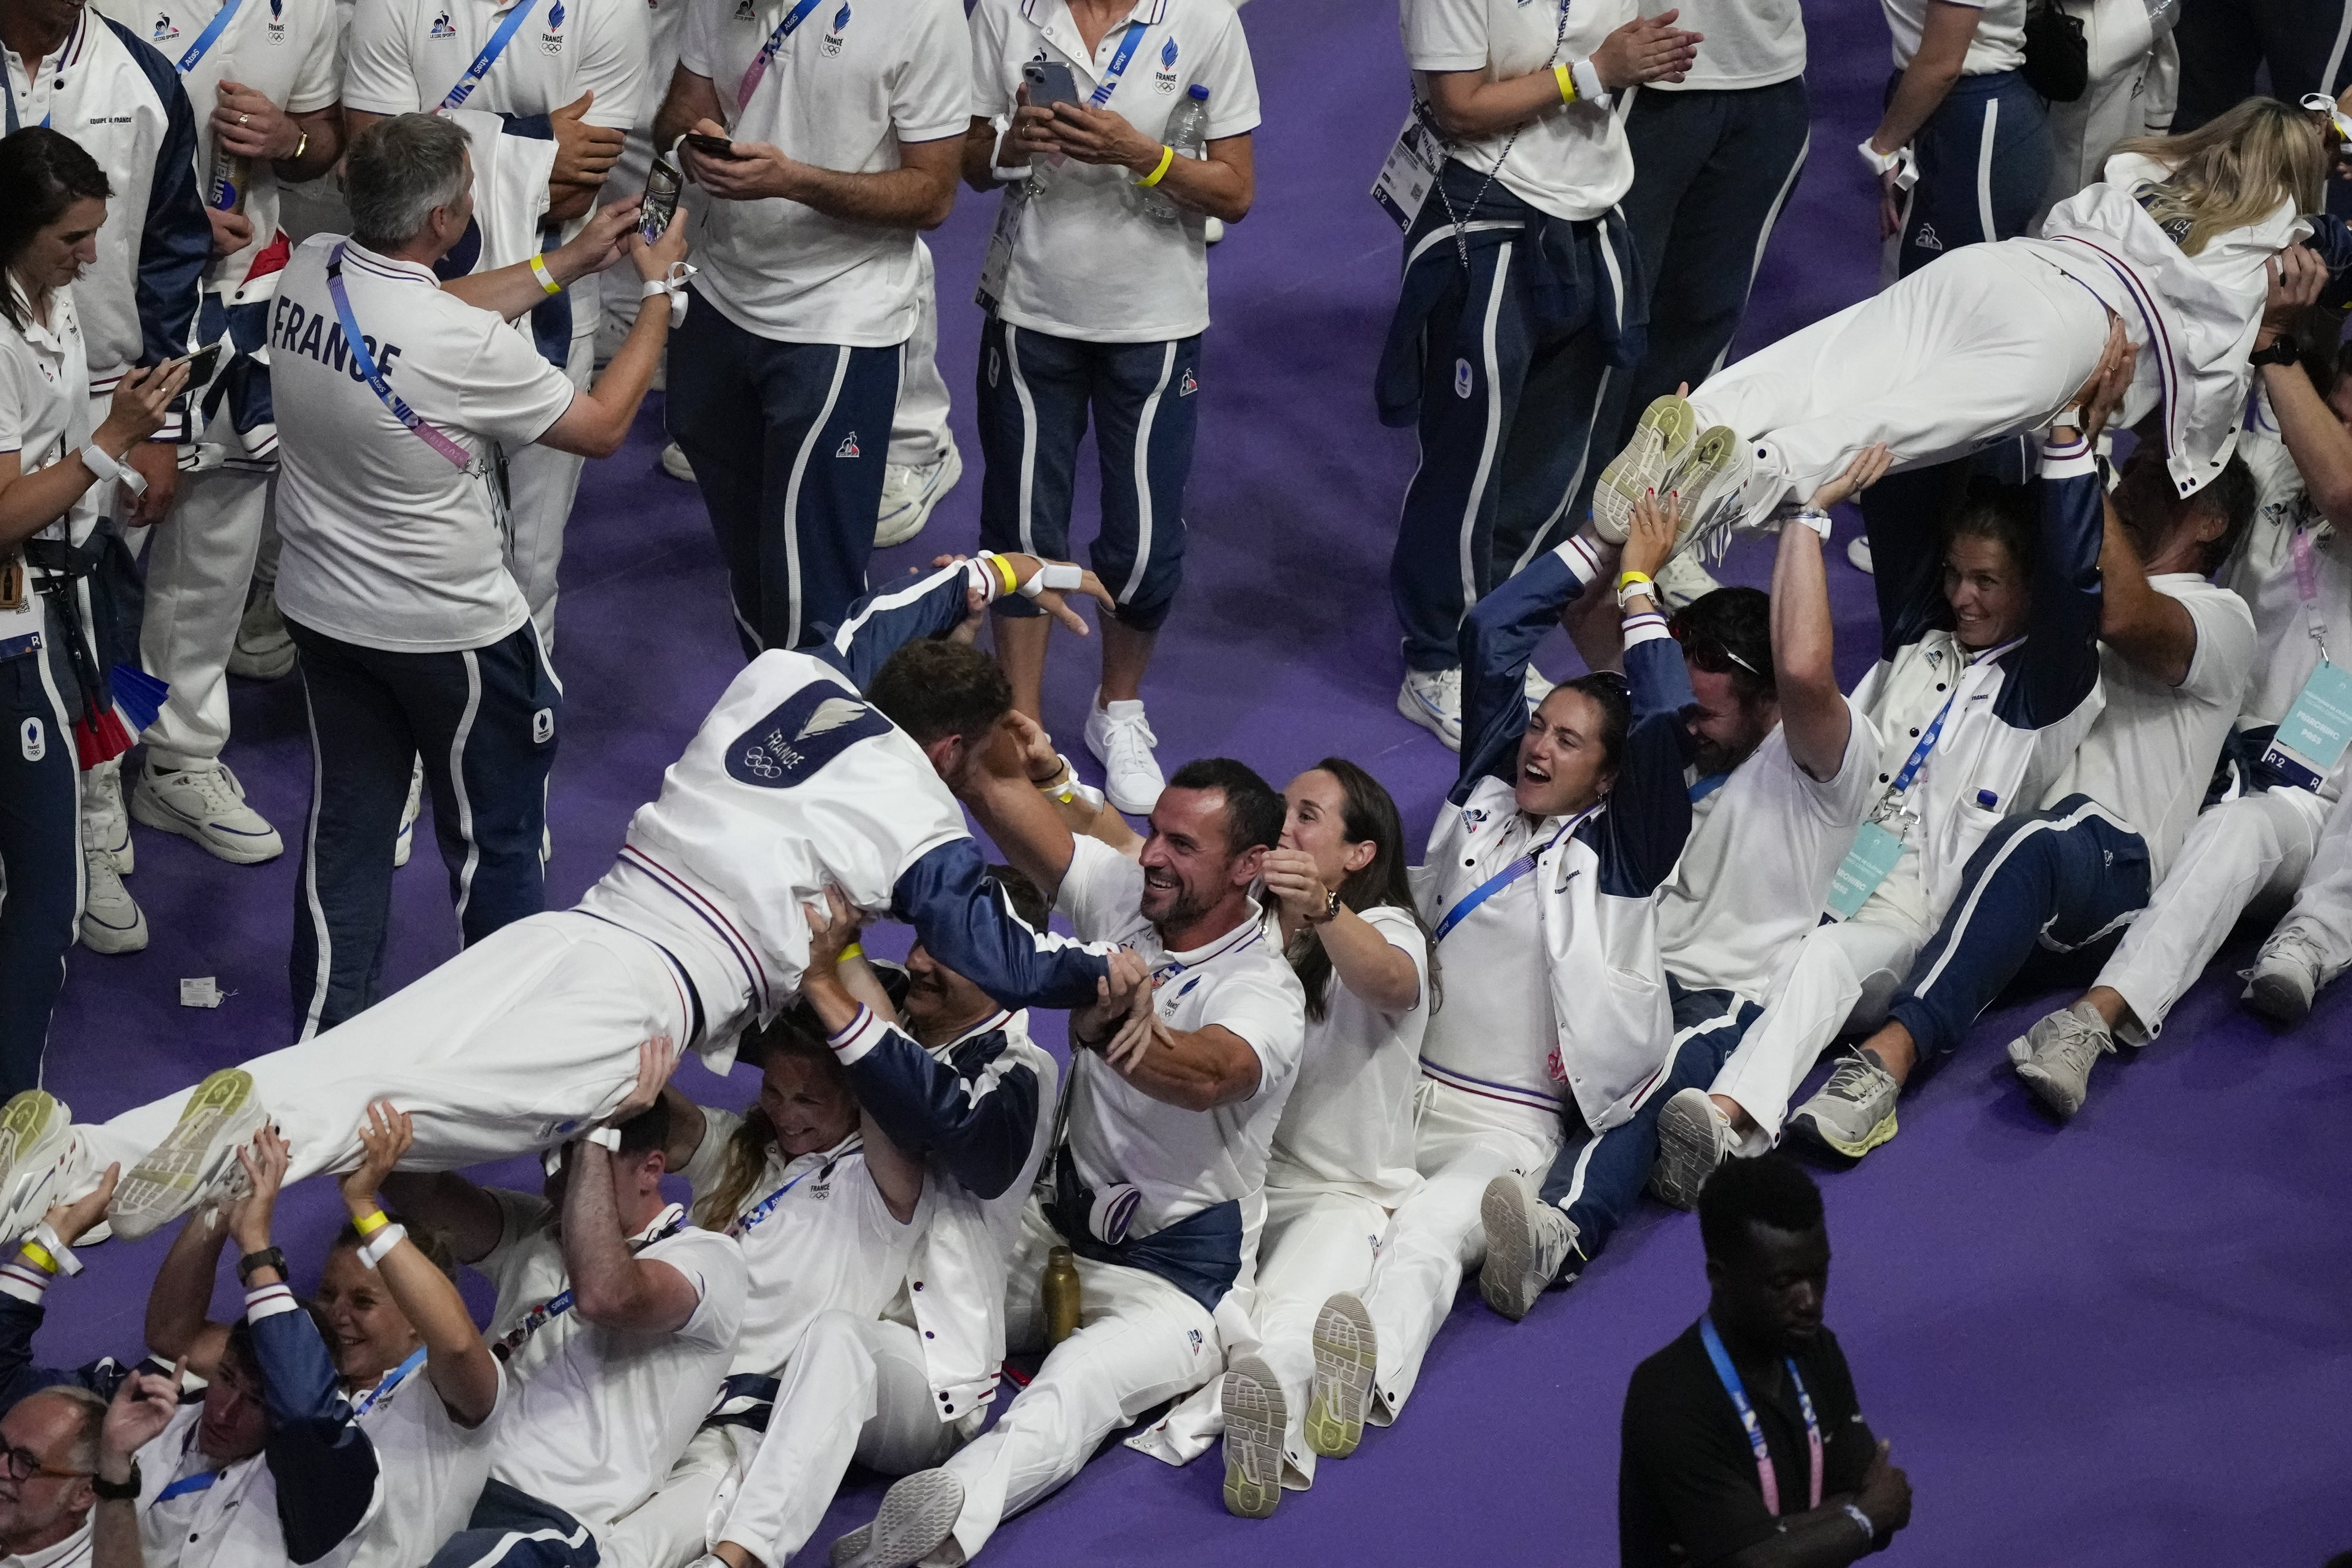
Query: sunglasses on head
(2336,129)
(1710,653)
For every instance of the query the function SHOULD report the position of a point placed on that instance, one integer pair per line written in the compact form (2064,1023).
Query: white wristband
(1646,589)
(608,1138)
(1900,163)
(1589,89)
(111,472)
(1869,1530)
(1058,575)
(376,1247)
(67,1264)
(1817,521)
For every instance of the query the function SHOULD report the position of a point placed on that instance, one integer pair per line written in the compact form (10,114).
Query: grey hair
(398,170)
(89,1428)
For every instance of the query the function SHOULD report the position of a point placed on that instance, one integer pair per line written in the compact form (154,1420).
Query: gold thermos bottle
(1059,1286)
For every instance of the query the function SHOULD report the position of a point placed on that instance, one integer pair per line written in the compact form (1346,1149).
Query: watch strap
(109,1491)
(2281,352)
(267,1258)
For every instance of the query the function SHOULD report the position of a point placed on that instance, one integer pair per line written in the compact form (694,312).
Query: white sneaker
(111,920)
(196,1162)
(2285,978)
(105,825)
(40,1160)
(1433,699)
(908,494)
(404,843)
(1683,580)
(264,650)
(206,804)
(1695,1136)
(1662,441)
(1346,1351)
(674,463)
(1857,551)
(1255,1419)
(1120,738)
(1527,1246)
(917,1515)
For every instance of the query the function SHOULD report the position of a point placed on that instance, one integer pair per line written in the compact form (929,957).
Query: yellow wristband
(1567,79)
(1167,161)
(368,1224)
(546,278)
(1625,579)
(1004,569)
(855,950)
(36,1254)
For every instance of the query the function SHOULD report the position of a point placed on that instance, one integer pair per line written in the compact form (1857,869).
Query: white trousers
(854,1389)
(543,484)
(512,1045)
(2252,852)
(1139,1340)
(198,566)
(1315,1245)
(1988,341)
(1842,977)
(1461,1141)
(919,430)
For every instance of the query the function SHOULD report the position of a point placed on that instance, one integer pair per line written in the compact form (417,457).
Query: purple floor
(2124,1346)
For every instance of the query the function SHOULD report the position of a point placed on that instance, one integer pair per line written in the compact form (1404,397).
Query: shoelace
(213,784)
(1854,1080)
(1130,742)
(2292,947)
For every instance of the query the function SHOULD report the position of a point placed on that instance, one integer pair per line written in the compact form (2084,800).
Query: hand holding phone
(202,363)
(711,146)
(1051,83)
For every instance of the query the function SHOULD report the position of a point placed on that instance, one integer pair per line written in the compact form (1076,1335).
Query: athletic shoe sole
(918,1513)
(196,1159)
(39,1156)
(1255,1419)
(1346,1350)
(1662,440)
(1807,1128)
(1507,1279)
(1688,1149)
(2277,999)
(909,520)
(1708,505)
(240,849)
(1429,718)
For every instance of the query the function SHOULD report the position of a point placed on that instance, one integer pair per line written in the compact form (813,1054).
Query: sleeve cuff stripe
(1578,556)
(863,1034)
(269,1301)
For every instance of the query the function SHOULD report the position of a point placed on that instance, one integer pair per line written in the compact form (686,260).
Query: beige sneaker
(1346,1351)
(197,1163)
(1662,442)
(1255,1416)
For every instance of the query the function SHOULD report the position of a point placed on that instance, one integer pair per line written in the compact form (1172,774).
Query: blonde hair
(2234,170)
(747,1147)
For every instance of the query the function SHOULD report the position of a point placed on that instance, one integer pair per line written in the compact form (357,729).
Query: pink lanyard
(1738,1392)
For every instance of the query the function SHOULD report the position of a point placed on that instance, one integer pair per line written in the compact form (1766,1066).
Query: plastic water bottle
(1188,133)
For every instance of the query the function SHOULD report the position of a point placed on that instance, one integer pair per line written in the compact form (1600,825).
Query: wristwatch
(108,1492)
(2281,352)
(267,1258)
(1331,910)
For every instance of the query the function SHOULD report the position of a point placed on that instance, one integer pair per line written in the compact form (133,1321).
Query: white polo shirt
(1999,44)
(1749,43)
(231,1522)
(284,50)
(386,543)
(431,1470)
(1754,871)
(816,1237)
(1347,1127)
(856,80)
(1183,1161)
(1088,263)
(45,417)
(1571,161)
(594,1418)
(73,1551)
(2149,756)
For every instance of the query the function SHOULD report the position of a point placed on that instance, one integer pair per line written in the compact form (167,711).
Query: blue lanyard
(1729,1374)
(547,1311)
(1101,95)
(389,1380)
(209,36)
(1708,786)
(1910,769)
(767,1205)
(369,373)
(489,56)
(759,66)
(199,1481)
(1503,879)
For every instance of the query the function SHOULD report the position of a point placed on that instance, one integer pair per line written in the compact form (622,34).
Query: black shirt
(1687,1491)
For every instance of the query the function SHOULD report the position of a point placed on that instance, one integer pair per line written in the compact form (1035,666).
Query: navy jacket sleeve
(175,238)
(881,624)
(1498,638)
(926,1107)
(1639,836)
(2056,669)
(324,1465)
(967,923)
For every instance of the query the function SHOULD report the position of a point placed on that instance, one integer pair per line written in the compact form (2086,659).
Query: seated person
(389,1298)
(69,1493)
(615,1321)
(1743,1441)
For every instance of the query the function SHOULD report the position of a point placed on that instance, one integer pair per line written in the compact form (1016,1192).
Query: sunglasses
(2336,131)
(1710,653)
(23,1464)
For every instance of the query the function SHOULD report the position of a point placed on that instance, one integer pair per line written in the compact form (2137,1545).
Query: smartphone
(663,183)
(202,363)
(710,146)
(1050,83)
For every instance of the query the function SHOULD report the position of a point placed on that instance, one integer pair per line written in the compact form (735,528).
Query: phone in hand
(710,146)
(202,363)
(1050,82)
(663,183)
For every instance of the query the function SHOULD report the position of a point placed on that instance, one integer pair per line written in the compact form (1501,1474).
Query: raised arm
(2059,666)
(936,603)
(458,1363)
(1814,713)
(25,1281)
(2154,631)
(1498,638)
(612,1288)
(450,1204)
